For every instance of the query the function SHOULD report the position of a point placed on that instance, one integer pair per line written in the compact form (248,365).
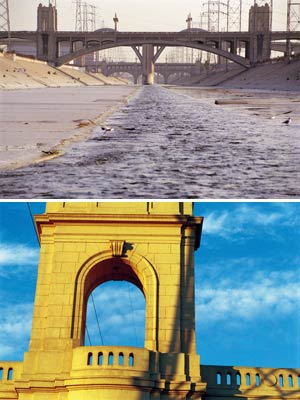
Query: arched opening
(1,374)
(248,381)
(121,359)
(111,358)
(116,315)
(123,291)
(10,374)
(131,360)
(257,379)
(238,379)
(90,359)
(219,378)
(281,383)
(100,358)
(228,378)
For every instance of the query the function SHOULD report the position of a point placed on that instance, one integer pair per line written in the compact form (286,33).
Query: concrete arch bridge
(148,46)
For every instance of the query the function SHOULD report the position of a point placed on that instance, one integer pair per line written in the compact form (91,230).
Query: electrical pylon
(4,19)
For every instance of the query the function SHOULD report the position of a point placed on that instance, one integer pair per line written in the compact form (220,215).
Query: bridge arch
(129,43)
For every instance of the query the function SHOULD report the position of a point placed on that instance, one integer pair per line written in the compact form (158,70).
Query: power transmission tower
(78,20)
(85,17)
(4,20)
(234,15)
(221,15)
(293,15)
(214,15)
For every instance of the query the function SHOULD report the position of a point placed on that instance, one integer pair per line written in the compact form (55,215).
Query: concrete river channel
(169,144)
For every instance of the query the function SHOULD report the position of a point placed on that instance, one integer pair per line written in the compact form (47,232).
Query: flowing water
(169,145)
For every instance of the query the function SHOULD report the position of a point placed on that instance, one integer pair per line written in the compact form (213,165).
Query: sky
(247,286)
(134,15)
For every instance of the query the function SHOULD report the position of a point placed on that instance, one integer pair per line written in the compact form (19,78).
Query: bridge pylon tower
(5,20)
(269,3)
(83,245)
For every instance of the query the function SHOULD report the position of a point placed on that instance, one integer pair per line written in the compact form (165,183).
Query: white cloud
(215,223)
(260,296)
(246,218)
(15,322)
(16,255)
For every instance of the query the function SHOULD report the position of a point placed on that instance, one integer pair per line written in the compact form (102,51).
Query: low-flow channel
(166,144)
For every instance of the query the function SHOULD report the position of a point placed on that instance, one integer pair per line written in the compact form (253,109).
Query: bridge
(148,46)
(166,70)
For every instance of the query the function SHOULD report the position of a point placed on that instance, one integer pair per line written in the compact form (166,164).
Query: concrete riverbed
(167,143)
(37,124)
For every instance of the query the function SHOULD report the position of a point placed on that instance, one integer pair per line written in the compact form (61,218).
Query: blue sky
(247,286)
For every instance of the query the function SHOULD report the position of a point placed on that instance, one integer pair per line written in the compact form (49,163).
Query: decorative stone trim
(117,247)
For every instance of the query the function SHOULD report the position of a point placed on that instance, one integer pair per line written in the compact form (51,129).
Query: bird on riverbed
(287,121)
(107,128)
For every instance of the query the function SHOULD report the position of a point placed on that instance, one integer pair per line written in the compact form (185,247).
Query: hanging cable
(132,313)
(88,335)
(97,320)
(32,220)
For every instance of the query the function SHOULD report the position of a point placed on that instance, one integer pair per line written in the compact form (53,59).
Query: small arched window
(299,381)
(9,374)
(111,359)
(219,378)
(281,383)
(228,378)
(248,380)
(1,374)
(121,359)
(238,379)
(90,359)
(100,358)
(257,379)
(131,360)
(290,381)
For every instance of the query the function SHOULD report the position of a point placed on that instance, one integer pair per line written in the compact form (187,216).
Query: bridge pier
(148,64)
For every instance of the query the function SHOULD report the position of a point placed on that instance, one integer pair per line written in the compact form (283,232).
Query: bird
(107,128)
(287,121)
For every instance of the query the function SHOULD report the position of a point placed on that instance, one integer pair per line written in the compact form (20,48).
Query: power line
(88,335)
(100,334)
(133,319)
(32,220)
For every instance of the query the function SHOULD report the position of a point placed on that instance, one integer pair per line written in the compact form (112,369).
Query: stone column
(148,64)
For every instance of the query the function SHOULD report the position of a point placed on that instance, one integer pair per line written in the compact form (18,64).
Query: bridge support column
(148,64)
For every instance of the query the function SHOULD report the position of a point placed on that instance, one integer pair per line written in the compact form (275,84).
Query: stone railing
(239,381)
(97,360)
(9,371)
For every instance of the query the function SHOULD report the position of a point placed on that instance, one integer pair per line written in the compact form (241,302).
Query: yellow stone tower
(83,245)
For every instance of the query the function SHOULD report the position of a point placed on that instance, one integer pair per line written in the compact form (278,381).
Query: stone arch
(103,267)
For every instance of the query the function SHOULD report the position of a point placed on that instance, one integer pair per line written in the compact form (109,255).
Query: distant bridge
(135,69)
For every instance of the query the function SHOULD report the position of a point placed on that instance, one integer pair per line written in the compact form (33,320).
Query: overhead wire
(132,311)
(88,335)
(99,329)
(33,223)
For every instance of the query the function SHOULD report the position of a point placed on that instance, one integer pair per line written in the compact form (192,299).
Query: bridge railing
(242,380)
